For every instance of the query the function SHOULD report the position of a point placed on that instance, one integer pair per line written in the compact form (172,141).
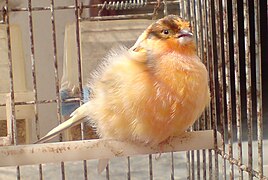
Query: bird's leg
(162,145)
(166,142)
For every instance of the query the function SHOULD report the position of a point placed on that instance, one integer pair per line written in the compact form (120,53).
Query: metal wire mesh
(231,41)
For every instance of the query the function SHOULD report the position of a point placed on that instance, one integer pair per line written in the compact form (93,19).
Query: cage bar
(34,81)
(172,166)
(205,59)
(259,86)
(237,83)
(128,168)
(150,167)
(217,9)
(248,86)
(11,78)
(107,172)
(56,74)
(227,59)
(210,55)
(77,23)
(196,14)
(229,100)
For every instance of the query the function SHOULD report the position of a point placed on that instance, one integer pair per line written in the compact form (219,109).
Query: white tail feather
(102,165)
(76,117)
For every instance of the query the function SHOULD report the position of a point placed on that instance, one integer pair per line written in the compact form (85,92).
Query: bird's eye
(165,32)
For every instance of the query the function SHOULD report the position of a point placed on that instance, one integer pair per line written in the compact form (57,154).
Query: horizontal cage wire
(49,48)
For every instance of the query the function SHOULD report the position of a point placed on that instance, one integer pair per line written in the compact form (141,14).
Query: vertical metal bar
(215,51)
(192,165)
(204,57)
(182,8)
(56,74)
(195,25)
(195,17)
(237,85)
(165,9)
(107,172)
(229,116)
(150,167)
(11,78)
(211,80)
(55,59)
(179,9)
(228,78)
(198,174)
(210,170)
(14,134)
(218,28)
(182,14)
(188,14)
(199,13)
(33,67)
(204,156)
(33,61)
(188,165)
(186,10)
(248,86)
(128,169)
(228,95)
(217,54)
(259,86)
(77,22)
(172,166)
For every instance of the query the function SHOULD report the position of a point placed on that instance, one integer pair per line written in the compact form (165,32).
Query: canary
(149,93)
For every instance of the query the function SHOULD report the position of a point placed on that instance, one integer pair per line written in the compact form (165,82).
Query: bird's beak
(185,37)
(185,33)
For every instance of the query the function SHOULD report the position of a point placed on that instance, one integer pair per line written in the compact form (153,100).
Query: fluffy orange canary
(149,93)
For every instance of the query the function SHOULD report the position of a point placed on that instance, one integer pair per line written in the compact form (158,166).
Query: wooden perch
(100,149)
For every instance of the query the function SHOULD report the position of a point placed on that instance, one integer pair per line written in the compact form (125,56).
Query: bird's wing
(77,117)
(139,55)
(138,51)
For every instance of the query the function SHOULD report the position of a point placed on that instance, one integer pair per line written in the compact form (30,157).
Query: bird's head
(169,34)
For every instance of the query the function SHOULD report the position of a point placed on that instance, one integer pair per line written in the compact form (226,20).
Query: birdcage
(48,48)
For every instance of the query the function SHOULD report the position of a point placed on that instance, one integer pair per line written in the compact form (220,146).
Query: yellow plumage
(149,93)
(154,91)
(134,102)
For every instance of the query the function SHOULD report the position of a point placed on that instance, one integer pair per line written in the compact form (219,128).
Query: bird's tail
(102,165)
(76,117)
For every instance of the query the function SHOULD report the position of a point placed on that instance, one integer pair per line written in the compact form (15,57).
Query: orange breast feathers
(151,92)
(154,91)
(150,102)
